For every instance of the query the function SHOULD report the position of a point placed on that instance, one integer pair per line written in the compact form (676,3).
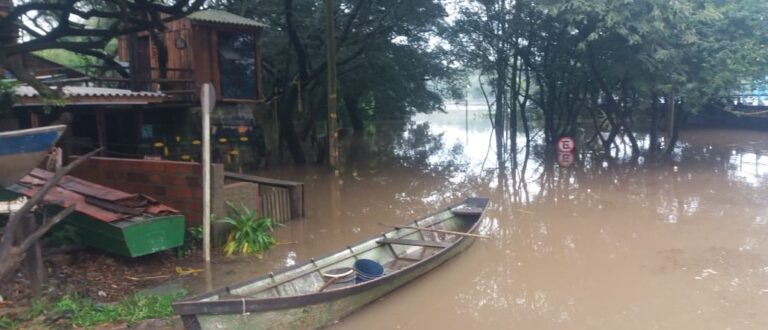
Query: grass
(84,312)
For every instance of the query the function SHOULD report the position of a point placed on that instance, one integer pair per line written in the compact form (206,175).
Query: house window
(237,65)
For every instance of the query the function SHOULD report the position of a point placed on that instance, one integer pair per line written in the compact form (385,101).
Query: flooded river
(681,245)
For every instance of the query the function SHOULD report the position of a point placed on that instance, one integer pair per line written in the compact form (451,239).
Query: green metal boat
(130,225)
(311,295)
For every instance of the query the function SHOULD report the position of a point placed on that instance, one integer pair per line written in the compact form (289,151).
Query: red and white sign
(566,144)
(565,159)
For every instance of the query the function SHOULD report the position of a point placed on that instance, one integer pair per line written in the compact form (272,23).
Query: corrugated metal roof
(85,91)
(223,17)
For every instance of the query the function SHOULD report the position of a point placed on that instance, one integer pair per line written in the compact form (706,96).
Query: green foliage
(62,234)
(250,233)
(84,312)
(7,97)
(131,309)
(385,51)
(193,238)
(607,61)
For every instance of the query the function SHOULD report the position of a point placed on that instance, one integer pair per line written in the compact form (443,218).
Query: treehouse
(207,46)
(148,107)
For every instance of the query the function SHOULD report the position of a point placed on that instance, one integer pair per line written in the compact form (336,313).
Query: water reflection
(605,244)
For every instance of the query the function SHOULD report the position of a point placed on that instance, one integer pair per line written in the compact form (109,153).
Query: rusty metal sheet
(96,201)
(84,187)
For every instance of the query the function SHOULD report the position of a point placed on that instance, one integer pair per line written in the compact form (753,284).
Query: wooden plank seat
(467,211)
(414,242)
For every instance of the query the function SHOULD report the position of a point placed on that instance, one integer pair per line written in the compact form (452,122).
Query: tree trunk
(498,122)
(653,144)
(355,113)
(515,96)
(674,129)
(287,130)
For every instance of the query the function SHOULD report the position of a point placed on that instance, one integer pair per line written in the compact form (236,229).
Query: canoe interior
(410,246)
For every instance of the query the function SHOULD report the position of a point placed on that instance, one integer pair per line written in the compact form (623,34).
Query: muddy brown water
(619,245)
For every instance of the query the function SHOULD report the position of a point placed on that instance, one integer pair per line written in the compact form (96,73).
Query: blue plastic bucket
(367,270)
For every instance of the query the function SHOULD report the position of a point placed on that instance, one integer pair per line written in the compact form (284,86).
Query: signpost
(566,144)
(207,101)
(565,147)
(565,159)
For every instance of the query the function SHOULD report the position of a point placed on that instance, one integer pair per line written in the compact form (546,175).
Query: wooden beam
(414,242)
(259,78)
(101,129)
(34,119)
(215,68)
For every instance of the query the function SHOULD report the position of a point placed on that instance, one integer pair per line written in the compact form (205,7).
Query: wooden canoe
(300,297)
(22,150)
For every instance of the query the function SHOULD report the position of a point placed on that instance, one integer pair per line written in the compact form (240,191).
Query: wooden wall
(200,55)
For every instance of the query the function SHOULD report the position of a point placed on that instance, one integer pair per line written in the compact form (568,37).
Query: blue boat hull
(22,150)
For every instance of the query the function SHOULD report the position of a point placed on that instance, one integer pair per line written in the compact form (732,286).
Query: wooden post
(33,262)
(259,82)
(101,131)
(208,101)
(133,62)
(297,201)
(330,44)
(34,119)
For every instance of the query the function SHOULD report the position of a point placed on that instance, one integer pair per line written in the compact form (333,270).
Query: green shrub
(250,233)
(193,239)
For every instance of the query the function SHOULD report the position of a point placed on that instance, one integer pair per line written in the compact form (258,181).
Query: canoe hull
(321,314)
(294,298)
(22,150)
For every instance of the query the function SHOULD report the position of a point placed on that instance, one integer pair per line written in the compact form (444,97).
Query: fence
(281,200)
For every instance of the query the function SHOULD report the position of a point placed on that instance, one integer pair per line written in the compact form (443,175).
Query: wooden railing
(280,199)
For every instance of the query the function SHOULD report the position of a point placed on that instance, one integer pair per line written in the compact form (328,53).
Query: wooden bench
(414,242)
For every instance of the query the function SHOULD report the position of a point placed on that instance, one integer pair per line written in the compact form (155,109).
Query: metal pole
(208,101)
(330,42)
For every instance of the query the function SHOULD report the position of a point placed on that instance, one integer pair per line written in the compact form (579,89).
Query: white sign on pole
(565,159)
(566,144)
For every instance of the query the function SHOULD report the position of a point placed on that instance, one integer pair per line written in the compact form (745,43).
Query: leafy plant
(81,312)
(192,241)
(7,97)
(85,312)
(62,234)
(250,233)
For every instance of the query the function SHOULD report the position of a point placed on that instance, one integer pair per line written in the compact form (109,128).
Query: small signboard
(566,144)
(565,159)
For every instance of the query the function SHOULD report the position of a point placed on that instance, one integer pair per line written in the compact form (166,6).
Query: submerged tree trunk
(287,130)
(355,113)
(653,143)
(674,129)
(514,96)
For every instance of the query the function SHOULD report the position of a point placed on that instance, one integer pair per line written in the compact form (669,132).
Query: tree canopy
(80,26)
(604,66)
(602,69)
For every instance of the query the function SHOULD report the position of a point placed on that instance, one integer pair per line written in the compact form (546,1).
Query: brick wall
(177,184)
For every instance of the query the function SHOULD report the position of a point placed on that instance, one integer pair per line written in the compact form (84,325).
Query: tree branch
(6,241)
